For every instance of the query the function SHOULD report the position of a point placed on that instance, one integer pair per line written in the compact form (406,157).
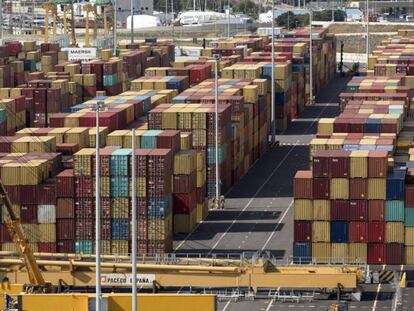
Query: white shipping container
(46,214)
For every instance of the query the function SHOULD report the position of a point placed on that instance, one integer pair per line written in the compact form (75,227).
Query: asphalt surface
(258,215)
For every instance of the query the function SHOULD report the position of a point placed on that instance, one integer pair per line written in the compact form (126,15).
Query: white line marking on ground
(227,305)
(270,305)
(277,225)
(374,306)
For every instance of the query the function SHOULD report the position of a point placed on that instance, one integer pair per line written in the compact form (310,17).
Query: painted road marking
(226,306)
(374,306)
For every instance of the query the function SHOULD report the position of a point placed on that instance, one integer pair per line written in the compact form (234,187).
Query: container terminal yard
(263,172)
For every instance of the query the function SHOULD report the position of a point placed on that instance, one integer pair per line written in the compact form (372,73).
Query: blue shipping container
(302,252)
(120,162)
(120,229)
(373,125)
(396,185)
(211,154)
(159,207)
(339,232)
(119,186)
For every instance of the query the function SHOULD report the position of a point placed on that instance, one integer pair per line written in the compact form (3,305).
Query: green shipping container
(84,247)
(394,210)
(409,217)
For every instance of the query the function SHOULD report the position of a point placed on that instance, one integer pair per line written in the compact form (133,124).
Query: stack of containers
(184,191)
(200,120)
(24,176)
(348,209)
(154,176)
(179,83)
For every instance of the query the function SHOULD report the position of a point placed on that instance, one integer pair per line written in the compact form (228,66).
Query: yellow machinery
(16,233)
(88,8)
(49,7)
(77,270)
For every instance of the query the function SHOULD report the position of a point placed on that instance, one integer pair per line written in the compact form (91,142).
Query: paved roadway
(258,213)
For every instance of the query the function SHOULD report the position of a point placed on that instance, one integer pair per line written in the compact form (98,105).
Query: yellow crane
(88,8)
(16,233)
(49,7)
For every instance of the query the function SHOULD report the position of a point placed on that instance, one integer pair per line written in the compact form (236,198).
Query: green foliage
(291,20)
(247,7)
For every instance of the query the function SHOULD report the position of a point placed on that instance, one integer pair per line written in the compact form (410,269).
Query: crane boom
(16,232)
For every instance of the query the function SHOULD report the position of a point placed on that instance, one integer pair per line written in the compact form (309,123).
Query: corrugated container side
(409,255)
(46,214)
(339,189)
(321,210)
(409,236)
(302,209)
(358,232)
(377,189)
(376,232)
(358,252)
(321,252)
(394,232)
(376,253)
(394,253)
(321,231)
(376,210)
(302,230)
(339,252)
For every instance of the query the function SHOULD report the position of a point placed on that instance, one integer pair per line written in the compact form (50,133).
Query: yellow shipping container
(339,252)
(409,255)
(47,232)
(357,252)
(325,126)
(321,210)
(185,140)
(339,189)
(394,232)
(119,207)
(377,189)
(409,236)
(202,211)
(103,133)
(321,252)
(106,247)
(185,223)
(302,209)
(321,231)
(119,247)
(185,162)
(359,164)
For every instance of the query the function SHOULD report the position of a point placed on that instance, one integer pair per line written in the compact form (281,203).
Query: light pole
(115,26)
(134,224)
(367,34)
(132,21)
(228,19)
(98,107)
(311,99)
(216,104)
(272,98)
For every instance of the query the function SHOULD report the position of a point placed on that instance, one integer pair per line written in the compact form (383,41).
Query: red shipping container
(65,184)
(358,210)
(169,139)
(184,203)
(409,195)
(4,234)
(321,188)
(302,185)
(27,194)
(302,231)
(28,214)
(340,210)
(376,254)
(341,125)
(358,188)
(46,247)
(84,229)
(46,193)
(340,164)
(65,229)
(57,119)
(83,186)
(64,246)
(394,253)
(65,208)
(184,183)
(358,232)
(377,164)
(376,210)
(105,208)
(376,232)
(321,163)
(357,125)
(84,208)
